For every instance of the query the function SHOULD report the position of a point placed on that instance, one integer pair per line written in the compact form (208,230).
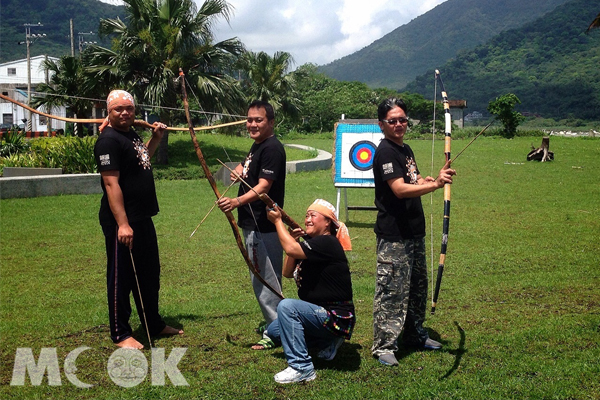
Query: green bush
(13,142)
(73,155)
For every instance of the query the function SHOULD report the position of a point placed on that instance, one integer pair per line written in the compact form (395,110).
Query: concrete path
(53,185)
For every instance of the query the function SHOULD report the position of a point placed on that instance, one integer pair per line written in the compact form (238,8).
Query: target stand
(355,143)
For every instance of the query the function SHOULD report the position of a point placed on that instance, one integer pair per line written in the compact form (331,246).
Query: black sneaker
(431,344)
(388,359)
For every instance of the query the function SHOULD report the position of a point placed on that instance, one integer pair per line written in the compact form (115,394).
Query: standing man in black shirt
(401,288)
(126,210)
(264,170)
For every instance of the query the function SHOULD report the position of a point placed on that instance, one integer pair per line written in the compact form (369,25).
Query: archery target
(355,145)
(361,155)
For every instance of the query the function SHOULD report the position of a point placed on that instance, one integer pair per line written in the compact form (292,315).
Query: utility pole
(48,120)
(72,39)
(29,39)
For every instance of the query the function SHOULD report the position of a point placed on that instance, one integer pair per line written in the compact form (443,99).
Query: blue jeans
(299,324)
(266,253)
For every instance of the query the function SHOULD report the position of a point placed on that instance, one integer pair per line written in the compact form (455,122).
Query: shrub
(13,142)
(73,155)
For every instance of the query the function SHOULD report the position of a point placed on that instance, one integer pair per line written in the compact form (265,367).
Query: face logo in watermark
(126,367)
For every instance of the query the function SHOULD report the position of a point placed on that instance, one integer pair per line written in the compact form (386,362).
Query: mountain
(433,38)
(551,64)
(54,15)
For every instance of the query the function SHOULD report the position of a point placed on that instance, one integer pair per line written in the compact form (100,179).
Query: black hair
(388,104)
(263,104)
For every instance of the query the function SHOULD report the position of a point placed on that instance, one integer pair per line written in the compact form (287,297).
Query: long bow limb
(213,184)
(138,123)
(446,223)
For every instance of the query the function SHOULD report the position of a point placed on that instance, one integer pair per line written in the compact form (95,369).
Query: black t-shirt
(125,152)
(397,219)
(324,276)
(265,160)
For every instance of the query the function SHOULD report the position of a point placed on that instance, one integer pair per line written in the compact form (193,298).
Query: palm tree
(66,82)
(268,78)
(158,38)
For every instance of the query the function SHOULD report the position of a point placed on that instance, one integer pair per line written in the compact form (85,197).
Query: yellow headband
(326,209)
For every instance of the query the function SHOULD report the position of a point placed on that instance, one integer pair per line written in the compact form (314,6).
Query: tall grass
(518,312)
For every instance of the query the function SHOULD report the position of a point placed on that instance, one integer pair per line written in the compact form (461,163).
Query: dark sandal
(262,327)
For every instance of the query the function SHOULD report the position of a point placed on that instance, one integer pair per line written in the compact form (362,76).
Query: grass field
(518,313)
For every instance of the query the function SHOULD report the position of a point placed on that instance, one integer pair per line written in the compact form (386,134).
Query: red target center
(364,155)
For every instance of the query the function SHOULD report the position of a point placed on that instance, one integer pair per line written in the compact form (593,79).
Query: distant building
(475,115)
(457,111)
(13,84)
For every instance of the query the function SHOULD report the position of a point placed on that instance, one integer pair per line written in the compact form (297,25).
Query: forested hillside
(551,64)
(433,38)
(54,16)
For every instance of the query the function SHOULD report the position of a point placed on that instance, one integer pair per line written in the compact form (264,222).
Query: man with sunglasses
(401,287)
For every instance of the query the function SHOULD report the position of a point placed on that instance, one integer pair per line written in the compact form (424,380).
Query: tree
(268,78)
(326,99)
(503,109)
(159,38)
(65,88)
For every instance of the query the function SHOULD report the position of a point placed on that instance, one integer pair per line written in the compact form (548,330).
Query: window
(7,118)
(12,71)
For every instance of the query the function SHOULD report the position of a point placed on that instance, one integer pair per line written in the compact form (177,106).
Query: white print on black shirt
(247,162)
(142,153)
(104,159)
(411,167)
(388,168)
(297,277)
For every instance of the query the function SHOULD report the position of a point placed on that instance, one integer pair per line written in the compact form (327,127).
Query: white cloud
(317,31)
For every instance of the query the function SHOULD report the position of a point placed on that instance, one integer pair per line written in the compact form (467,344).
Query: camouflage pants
(400,294)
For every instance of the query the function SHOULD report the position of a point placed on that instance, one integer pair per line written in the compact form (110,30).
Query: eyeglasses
(120,109)
(396,121)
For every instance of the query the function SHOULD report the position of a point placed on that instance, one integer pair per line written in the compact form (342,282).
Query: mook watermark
(125,367)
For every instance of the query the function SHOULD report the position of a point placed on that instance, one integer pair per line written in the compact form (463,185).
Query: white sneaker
(290,375)
(329,352)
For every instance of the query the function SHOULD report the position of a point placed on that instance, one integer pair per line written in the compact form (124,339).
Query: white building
(13,84)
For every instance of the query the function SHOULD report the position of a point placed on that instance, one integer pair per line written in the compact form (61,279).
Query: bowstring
(241,186)
(244,190)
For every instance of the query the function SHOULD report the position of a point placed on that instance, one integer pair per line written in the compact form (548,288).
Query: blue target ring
(361,155)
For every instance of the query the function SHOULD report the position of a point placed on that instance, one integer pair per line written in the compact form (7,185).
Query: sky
(315,31)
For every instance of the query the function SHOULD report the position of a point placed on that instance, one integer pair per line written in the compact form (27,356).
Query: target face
(361,155)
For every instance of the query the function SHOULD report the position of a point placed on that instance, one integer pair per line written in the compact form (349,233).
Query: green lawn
(518,313)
